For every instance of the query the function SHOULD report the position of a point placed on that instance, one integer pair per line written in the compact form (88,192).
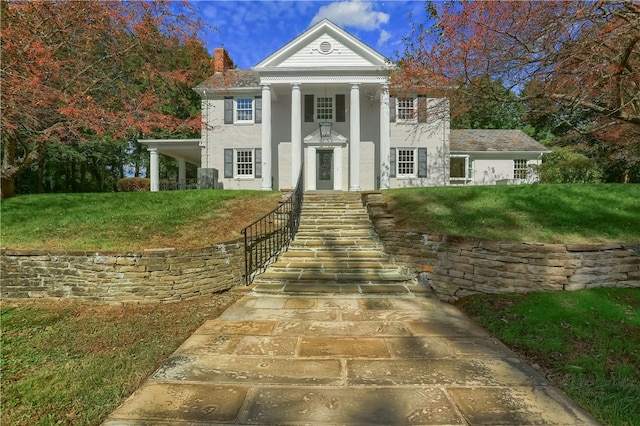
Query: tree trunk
(8,187)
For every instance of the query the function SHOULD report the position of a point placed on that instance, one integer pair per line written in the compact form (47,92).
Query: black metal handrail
(270,235)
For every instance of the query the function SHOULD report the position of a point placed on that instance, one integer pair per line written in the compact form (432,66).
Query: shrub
(133,184)
(565,166)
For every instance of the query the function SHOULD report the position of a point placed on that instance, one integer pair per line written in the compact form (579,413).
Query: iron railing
(270,235)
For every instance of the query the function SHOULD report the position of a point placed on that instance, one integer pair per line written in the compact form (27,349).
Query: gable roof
(324,45)
(493,140)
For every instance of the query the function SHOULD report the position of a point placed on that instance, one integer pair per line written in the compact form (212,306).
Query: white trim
(252,175)
(323,27)
(414,173)
(323,79)
(415,110)
(235,110)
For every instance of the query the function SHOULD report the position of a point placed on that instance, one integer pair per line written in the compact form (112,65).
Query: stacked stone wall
(160,275)
(455,267)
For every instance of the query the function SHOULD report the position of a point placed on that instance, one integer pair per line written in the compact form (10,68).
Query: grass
(587,342)
(68,363)
(533,213)
(131,220)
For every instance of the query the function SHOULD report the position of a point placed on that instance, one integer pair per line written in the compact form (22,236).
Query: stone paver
(335,333)
(345,359)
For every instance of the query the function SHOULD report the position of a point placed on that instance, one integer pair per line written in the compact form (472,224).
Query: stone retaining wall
(454,267)
(160,275)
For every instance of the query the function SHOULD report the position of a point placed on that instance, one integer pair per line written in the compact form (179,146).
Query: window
(244,110)
(406,161)
(244,163)
(520,168)
(406,109)
(460,168)
(324,108)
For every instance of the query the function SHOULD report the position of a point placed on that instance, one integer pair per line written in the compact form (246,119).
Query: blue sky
(252,30)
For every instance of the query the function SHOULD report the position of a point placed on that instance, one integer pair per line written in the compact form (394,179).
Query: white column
(154,172)
(337,168)
(266,138)
(310,165)
(385,137)
(182,173)
(354,139)
(296,133)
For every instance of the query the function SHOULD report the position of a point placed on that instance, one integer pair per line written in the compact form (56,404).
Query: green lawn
(129,220)
(71,363)
(587,342)
(533,213)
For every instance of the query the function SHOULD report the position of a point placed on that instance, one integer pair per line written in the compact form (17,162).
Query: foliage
(565,166)
(541,212)
(587,342)
(130,220)
(574,64)
(485,104)
(74,72)
(133,184)
(65,363)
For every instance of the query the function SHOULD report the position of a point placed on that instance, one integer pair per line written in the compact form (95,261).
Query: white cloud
(355,14)
(384,36)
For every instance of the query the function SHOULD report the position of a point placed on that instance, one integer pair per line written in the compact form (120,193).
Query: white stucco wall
(219,136)
(490,168)
(433,135)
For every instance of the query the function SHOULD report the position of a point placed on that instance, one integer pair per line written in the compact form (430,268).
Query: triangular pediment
(325,45)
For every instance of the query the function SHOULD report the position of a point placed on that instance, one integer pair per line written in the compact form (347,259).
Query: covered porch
(183,150)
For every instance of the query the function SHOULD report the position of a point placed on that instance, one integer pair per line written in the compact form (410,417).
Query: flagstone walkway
(321,344)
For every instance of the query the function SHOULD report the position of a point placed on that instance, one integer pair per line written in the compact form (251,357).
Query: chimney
(221,60)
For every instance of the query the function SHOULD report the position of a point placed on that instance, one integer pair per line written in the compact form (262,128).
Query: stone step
(334,277)
(336,255)
(335,248)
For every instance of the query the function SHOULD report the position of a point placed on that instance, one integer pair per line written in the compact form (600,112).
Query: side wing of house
(490,157)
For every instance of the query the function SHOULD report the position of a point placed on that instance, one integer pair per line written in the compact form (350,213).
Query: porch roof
(186,149)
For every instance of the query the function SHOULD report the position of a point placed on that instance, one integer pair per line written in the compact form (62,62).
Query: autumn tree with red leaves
(75,71)
(577,60)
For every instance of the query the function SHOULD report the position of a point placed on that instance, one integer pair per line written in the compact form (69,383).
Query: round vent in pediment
(325,47)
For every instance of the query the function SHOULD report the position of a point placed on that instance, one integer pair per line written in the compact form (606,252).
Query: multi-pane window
(406,162)
(244,162)
(324,108)
(244,109)
(520,169)
(406,109)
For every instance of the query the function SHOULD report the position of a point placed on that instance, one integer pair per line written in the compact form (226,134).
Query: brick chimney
(221,60)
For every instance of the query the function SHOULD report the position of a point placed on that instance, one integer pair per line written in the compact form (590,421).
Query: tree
(486,104)
(74,72)
(582,57)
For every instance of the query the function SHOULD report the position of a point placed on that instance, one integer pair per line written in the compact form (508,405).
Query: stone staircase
(336,250)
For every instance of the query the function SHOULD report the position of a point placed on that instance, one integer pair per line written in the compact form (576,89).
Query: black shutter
(341,109)
(258,109)
(392,163)
(392,109)
(308,108)
(228,110)
(258,163)
(228,163)
(422,162)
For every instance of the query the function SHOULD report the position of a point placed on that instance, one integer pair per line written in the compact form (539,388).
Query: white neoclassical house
(322,106)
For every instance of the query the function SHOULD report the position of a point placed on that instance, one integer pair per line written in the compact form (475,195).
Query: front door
(324,170)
